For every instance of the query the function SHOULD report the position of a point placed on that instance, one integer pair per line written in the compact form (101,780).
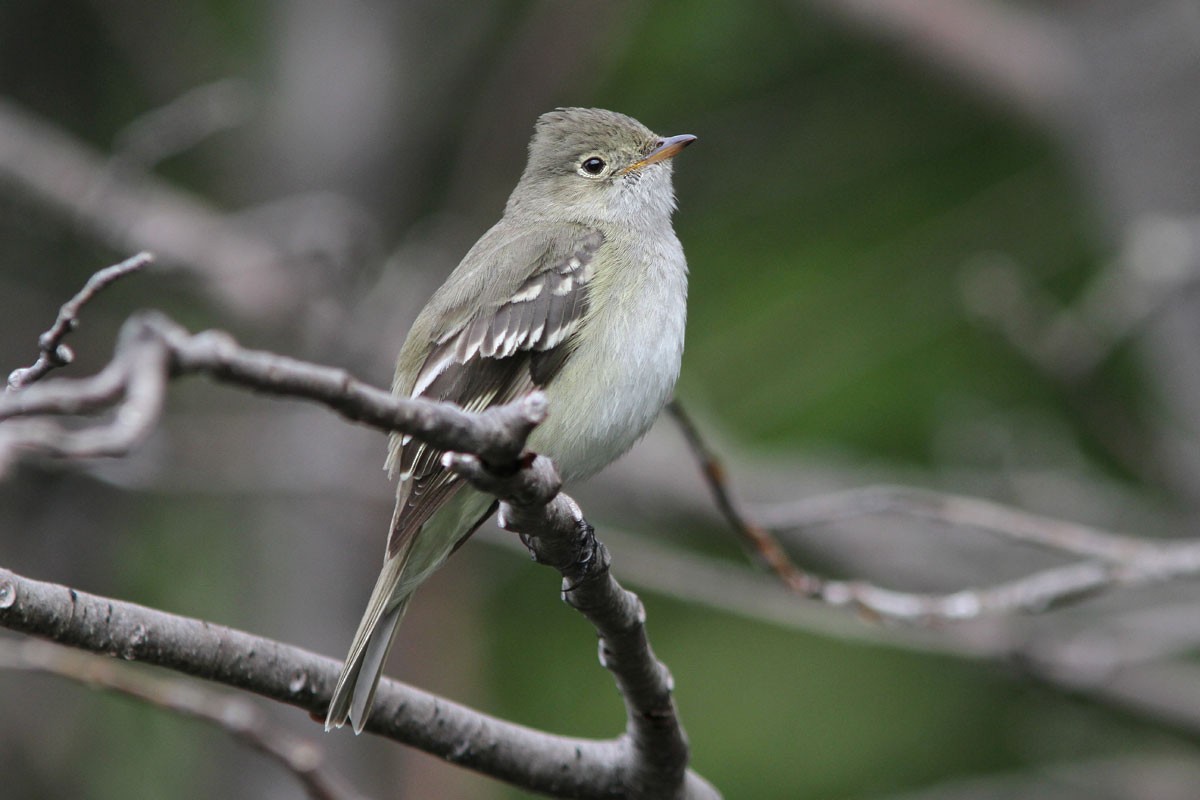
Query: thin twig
(760,541)
(53,352)
(1112,560)
(237,717)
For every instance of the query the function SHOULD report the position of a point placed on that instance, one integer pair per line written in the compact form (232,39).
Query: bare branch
(237,717)
(137,374)
(1026,594)
(1145,564)
(53,352)
(1113,560)
(151,348)
(760,541)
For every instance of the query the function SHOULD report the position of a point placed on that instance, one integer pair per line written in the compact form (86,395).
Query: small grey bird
(579,290)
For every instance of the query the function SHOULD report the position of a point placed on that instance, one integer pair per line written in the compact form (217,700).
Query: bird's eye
(593,166)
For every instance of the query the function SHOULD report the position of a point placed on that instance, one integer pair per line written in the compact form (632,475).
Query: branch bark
(532,504)
(151,349)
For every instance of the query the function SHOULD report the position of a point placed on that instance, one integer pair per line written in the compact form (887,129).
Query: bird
(579,291)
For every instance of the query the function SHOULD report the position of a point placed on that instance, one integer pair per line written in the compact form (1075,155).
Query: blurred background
(948,244)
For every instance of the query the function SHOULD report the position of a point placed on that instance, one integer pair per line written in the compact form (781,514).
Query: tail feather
(402,573)
(356,685)
(371,667)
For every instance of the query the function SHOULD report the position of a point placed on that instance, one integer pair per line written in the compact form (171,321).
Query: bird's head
(591,165)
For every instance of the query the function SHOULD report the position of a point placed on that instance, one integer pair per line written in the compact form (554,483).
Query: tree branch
(151,349)
(53,352)
(132,210)
(554,530)
(1111,560)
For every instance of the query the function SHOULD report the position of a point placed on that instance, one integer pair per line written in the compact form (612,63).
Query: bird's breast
(626,360)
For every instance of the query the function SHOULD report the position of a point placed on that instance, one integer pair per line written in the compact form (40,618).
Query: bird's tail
(355,689)
(402,573)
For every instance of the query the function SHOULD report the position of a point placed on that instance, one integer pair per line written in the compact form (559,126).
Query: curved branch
(1108,560)
(762,543)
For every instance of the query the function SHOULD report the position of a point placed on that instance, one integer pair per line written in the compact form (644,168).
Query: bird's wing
(512,345)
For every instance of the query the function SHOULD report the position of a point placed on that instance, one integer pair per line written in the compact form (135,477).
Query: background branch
(132,210)
(232,714)
(1123,561)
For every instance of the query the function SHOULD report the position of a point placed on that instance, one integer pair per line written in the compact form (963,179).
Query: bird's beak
(667,148)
